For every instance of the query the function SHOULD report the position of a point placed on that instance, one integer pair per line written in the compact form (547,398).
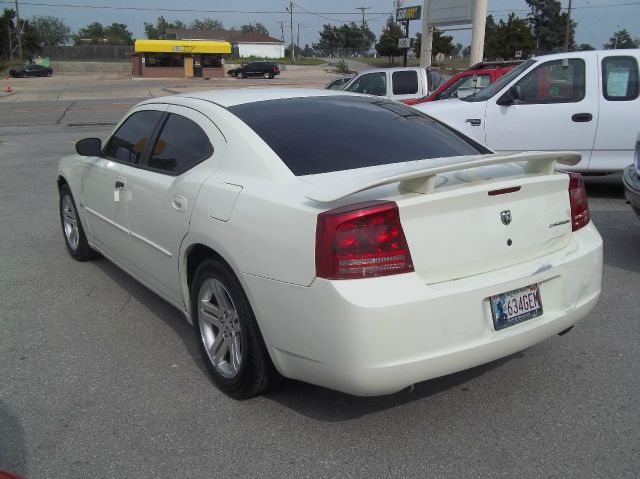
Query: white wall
(263,50)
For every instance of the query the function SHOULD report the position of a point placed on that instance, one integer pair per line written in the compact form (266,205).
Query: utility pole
(18,30)
(364,38)
(427,38)
(281,22)
(567,32)
(298,38)
(293,53)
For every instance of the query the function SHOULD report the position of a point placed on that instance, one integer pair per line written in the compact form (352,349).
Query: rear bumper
(377,336)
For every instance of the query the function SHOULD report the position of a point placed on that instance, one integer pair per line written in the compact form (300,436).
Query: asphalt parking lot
(101,378)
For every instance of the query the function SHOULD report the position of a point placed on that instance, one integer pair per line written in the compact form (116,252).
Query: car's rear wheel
(227,332)
(239,75)
(74,237)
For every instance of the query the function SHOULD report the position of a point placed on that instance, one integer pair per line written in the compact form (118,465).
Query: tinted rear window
(321,134)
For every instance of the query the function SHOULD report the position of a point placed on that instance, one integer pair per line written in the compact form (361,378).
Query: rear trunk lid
(466,216)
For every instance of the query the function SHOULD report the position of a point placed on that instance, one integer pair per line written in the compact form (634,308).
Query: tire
(266,75)
(72,230)
(239,75)
(48,74)
(240,365)
(23,75)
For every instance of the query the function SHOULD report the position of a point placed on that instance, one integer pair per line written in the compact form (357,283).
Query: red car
(469,81)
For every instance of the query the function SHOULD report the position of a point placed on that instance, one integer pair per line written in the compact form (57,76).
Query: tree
(205,24)
(51,30)
(387,46)
(548,24)
(255,27)
(621,39)
(92,33)
(154,32)
(351,36)
(583,47)
(441,44)
(504,39)
(9,37)
(117,34)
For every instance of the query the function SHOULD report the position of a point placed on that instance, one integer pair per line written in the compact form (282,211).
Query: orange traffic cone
(9,89)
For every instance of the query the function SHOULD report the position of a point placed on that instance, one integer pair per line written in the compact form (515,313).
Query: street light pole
(293,54)
(567,30)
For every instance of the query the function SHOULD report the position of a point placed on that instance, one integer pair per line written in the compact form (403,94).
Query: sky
(596,19)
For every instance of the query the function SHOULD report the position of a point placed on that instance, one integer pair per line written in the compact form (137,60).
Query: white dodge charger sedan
(344,240)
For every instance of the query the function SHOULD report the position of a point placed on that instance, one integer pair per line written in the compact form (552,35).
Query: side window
(620,78)
(181,145)
(371,84)
(558,81)
(465,86)
(405,82)
(128,143)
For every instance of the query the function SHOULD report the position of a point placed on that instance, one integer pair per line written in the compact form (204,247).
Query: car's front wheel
(74,237)
(239,75)
(266,75)
(227,333)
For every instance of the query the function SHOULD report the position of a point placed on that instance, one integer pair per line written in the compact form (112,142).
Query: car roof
(389,69)
(239,96)
(587,54)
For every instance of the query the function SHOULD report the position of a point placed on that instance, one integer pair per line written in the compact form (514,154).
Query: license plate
(515,306)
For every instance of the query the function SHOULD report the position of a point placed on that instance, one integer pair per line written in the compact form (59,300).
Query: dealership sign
(408,13)
(450,12)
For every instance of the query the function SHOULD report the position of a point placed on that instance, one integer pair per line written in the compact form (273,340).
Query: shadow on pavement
(331,406)
(608,186)
(13,449)
(158,306)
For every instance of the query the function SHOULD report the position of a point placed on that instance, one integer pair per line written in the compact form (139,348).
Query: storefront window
(164,60)
(211,61)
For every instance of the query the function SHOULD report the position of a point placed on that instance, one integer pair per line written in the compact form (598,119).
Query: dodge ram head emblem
(505,216)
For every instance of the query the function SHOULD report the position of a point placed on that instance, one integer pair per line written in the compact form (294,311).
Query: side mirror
(89,147)
(510,97)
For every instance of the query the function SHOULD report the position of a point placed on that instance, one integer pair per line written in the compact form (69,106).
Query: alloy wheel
(220,328)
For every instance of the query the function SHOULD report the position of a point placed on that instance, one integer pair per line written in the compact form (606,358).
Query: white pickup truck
(401,84)
(581,101)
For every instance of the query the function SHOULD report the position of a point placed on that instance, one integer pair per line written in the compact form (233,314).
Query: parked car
(344,240)
(631,180)
(30,70)
(402,84)
(339,83)
(256,69)
(469,81)
(582,101)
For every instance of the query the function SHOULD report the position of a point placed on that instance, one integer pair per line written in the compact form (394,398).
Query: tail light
(361,241)
(580,216)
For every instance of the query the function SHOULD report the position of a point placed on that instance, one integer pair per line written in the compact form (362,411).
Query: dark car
(256,69)
(631,180)
(24,71)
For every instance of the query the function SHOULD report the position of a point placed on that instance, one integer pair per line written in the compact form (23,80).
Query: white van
(580,101)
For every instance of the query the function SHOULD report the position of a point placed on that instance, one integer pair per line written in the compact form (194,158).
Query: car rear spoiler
(419,176)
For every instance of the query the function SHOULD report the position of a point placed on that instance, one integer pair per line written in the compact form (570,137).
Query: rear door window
(377,132)
(620,78)
(405,82)
(128,143)
(182,144)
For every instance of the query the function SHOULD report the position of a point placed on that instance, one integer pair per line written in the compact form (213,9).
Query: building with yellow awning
(179,58)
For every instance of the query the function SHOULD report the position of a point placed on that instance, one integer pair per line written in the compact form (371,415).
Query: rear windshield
(331,133)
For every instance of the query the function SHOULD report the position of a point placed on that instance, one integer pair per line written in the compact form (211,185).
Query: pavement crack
(65,112)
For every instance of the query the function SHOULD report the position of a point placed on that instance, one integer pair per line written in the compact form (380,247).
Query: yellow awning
(182,46)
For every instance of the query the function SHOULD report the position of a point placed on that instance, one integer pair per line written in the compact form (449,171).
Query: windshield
(488,92)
